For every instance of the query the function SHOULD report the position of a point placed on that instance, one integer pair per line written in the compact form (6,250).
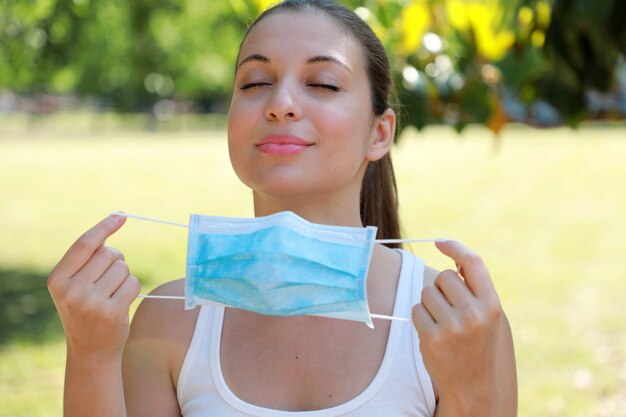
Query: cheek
(238,120)
(348,128)
(238,129)
(241,123)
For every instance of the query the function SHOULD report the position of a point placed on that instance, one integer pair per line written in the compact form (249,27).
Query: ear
(382,135)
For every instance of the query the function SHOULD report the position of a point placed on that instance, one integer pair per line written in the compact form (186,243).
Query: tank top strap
(196,352)
(411,291)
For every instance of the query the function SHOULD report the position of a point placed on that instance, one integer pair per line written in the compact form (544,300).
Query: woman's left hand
(459,322)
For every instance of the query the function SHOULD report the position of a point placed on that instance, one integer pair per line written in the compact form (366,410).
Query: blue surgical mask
(281,265)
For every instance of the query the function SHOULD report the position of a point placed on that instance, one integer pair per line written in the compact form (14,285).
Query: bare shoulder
(164,319)
(160,335)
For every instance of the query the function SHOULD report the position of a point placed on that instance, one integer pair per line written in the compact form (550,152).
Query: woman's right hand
(92,289)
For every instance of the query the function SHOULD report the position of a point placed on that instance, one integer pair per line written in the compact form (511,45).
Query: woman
(309,131)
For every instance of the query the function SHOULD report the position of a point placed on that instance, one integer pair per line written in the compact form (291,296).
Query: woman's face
(300,119)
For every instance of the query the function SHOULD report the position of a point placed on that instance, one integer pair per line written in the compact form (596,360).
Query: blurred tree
(583,47)
(454,61)
(64,46)
(128,54)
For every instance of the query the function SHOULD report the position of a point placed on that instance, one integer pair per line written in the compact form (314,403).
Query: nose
(282,104)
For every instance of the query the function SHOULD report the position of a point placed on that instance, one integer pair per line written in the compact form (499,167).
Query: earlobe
(383,134)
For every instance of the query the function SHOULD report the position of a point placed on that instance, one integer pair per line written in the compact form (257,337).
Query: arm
(159,338)
(466,340)
(93,387)
(92,290)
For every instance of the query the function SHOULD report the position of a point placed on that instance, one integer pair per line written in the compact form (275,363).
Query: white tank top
(401,386)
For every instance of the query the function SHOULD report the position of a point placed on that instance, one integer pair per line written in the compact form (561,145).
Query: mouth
(282,145)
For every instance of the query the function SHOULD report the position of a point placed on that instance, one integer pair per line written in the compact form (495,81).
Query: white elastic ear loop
(180,297)
(162,297)
(384,317)
(177,297)
(149,219)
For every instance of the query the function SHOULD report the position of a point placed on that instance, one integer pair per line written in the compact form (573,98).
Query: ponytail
(379,200)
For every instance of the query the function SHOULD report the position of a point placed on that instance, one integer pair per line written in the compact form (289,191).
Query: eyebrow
(312,60)
(326,58)
(254,57)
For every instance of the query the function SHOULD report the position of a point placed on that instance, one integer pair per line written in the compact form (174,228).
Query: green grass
(545,209)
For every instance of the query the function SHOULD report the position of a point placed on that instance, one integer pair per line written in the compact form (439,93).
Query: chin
(290,182)
(280,181)
(283,189)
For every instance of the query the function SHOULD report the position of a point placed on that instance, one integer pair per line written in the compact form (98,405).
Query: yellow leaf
(538,38)
(486,21)
(415,22)
(262,5)
(525,16)
(457,14)
(543,13)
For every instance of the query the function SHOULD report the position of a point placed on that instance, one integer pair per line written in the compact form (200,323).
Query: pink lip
(282,145)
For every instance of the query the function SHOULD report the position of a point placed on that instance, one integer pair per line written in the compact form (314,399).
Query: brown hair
(379,195)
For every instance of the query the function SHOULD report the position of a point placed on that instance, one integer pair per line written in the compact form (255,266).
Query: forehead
(302,34)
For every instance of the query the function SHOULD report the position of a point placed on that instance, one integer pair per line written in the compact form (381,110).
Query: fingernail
(115,218)
(442,240)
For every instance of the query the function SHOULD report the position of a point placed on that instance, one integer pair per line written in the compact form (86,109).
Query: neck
(321,209)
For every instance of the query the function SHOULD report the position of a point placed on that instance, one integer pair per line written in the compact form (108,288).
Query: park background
(513,143)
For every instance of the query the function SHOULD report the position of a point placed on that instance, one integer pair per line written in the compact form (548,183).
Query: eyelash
(326,87)
(251,85)
(316,85)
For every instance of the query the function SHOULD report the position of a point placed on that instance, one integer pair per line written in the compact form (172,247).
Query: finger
(471,266)
(127,291)
(436,305)
(82,250)
(453,288)
(423,322)
(98,264)
(109,282)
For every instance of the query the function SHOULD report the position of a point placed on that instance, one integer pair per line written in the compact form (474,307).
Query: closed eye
(252,85)
(325,86)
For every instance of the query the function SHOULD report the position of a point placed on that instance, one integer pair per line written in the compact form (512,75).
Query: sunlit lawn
(544,208)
